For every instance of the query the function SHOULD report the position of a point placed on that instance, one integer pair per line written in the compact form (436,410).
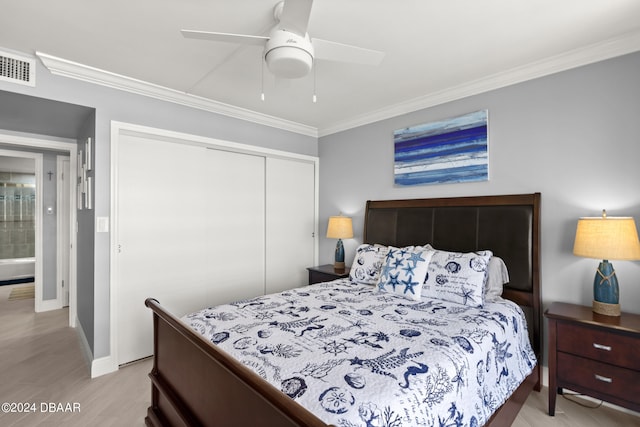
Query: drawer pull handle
(603,379)
(602,347)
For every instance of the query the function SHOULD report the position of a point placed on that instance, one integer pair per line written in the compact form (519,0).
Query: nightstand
(593,354)
(326,273)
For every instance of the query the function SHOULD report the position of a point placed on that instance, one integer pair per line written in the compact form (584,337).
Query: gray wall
(111,104)
(49,227)
(85,279)
(573,136)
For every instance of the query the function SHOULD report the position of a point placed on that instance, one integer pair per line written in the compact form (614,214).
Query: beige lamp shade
(610,238)
(340,227)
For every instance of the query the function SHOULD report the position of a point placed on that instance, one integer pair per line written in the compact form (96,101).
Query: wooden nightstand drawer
(594,354)
(604,378)
(326,273)
(600,345)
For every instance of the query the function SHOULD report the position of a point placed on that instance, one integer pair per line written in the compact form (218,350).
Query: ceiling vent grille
(17,69)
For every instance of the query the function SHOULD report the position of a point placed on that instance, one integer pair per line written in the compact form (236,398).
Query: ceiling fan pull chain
(262,78)
(315,99)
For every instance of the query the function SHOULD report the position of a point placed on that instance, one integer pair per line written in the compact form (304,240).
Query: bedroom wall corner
(571,136)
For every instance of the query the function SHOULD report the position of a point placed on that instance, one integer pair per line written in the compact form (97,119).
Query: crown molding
(74,70)
(607,49)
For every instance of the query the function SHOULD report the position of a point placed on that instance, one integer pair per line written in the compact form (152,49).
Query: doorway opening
(50,213)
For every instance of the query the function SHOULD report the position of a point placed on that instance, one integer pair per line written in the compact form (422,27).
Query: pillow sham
(457,277)
(404,271)
(367,264)
(497,277)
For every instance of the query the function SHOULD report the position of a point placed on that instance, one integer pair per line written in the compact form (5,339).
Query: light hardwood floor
(41,362)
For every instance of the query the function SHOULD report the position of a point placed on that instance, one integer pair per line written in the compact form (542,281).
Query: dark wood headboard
(508,225)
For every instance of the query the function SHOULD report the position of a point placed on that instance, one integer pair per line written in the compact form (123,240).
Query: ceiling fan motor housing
(288,55)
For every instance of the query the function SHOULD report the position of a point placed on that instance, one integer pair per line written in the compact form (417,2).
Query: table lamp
(607,238)
(340,227)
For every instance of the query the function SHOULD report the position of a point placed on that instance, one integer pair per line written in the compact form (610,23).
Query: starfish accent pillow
(404,271)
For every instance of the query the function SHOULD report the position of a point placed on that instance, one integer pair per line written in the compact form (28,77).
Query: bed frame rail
(196,384)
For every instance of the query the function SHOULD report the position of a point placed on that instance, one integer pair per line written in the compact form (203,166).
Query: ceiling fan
(288,50)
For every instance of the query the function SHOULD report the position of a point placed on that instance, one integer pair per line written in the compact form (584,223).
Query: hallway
(41,363)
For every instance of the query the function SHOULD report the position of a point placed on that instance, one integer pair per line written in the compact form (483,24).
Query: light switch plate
(102,224)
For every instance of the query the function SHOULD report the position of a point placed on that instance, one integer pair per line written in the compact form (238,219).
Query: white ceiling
(436,50)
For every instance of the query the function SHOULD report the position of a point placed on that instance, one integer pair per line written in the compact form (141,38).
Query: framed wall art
(447,151)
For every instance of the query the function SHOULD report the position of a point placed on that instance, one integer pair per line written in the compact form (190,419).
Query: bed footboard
(193,383)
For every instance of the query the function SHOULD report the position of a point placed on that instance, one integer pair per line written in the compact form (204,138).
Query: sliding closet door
(160,246)
(190,232)
(236,229)
(290,223)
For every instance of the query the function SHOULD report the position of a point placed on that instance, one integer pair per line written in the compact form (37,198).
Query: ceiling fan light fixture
(288,50)
(288,55)
(289,62)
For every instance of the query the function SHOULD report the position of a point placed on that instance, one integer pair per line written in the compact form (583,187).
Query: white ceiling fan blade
(225,37)
(332,51)
(295,16)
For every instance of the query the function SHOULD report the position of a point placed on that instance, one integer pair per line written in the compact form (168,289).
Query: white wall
(573,136)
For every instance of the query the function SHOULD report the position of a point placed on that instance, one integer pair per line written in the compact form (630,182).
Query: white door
(290,223)
(190,224)
(235,232)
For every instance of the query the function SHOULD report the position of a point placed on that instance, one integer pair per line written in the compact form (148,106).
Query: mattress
(357,357)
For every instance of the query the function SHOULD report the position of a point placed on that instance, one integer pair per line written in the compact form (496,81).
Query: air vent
(17,69)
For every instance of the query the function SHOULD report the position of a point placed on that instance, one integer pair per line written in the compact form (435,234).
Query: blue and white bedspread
(357,357)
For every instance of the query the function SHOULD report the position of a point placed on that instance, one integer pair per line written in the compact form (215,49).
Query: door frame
(56,144)
(62,210)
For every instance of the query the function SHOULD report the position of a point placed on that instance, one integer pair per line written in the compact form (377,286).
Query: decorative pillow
(497,277)
(404,271)
(367,264)
(457,277)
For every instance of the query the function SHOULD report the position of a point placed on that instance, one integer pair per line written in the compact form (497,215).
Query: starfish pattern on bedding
(409,285)
(386,269)
(393,281)
(416,257)
(409,269)
(466,294)
(398,262)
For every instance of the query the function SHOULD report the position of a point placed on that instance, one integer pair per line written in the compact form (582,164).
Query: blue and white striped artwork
(447,151)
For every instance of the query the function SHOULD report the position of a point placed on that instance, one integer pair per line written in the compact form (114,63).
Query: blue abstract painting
(448,151)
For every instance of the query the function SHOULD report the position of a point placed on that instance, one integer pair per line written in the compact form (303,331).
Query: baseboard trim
(97,367)
(49,304)
(84,344)
(102,366)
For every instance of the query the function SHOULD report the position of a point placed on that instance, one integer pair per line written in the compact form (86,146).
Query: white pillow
(497,277)
(457,277)
(367,264)
(404,271)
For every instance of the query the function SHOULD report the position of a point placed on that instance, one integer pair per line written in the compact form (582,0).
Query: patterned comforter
(357,357)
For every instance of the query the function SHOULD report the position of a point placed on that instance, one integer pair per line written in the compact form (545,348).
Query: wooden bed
(196,384)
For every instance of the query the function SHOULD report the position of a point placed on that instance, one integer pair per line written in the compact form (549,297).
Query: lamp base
(339,266)
(606,309)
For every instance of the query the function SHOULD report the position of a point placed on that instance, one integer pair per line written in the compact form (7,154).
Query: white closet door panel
(161,212)
(236,233)
(290,221)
